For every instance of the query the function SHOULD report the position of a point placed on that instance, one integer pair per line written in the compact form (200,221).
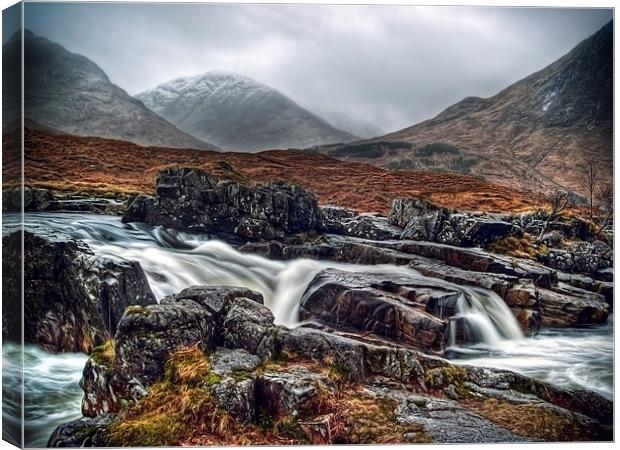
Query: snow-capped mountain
(235,112)
(70,93)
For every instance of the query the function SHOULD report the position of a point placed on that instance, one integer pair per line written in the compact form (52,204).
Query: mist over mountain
(237,113)
(70,93)
(534,134)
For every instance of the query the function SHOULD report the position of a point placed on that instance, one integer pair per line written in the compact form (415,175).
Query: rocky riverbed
(338,327)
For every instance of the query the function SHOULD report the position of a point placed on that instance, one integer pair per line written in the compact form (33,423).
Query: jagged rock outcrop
(328,388)
(73,299)
(399,308)
(424,221)
(193,200)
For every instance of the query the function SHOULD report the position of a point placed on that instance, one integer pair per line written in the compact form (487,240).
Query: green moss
(105,353)
(174,408)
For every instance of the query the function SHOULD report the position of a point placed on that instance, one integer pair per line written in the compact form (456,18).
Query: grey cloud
(390,66)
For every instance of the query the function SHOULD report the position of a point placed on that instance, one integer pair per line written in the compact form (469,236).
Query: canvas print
(296,224)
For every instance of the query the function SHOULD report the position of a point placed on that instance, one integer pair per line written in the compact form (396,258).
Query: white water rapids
(174,260)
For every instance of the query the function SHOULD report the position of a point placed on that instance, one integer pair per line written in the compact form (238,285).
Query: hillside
(532,135)
(109,167)
(70,93)
(237,113)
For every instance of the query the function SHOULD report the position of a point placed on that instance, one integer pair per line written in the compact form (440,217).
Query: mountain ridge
(543,127)
(70,93)
(238,113)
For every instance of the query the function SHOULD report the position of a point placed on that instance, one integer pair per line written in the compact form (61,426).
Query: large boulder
(191,199)
(250,326)
(423,221)
(82,432)
(397,307)
(148,335)
(348,223)
(73,299)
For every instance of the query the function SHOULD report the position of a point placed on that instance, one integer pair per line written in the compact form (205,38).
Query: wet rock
(215,299)
(365,226)
(477,260)
(147,335)
(387,305)
(84,432)
(250,326)
(449,423)
(97,382)
(347,355)
(73,300)
(296,392)
(191,199)
(559,308)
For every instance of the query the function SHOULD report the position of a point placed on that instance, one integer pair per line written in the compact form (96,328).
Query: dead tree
(560,201)
(606,202)
(590,172)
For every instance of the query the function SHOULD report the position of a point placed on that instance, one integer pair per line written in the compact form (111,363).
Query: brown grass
(110,167)
(533,420)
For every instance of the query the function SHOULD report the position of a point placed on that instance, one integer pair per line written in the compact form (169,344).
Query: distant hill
(100,163)
(531,135)
(237,113)
(70,93)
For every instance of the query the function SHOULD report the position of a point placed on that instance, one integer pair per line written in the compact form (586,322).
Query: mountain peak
(70,93)
(236,112)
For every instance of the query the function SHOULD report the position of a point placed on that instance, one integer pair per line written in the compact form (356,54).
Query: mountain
(532,135)
(70,93)
(237,113)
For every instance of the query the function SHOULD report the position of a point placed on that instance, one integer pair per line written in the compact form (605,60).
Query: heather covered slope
(70,93)
(237,113)
(104,165)
(532,135)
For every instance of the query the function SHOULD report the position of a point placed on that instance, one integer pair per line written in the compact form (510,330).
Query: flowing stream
(174,260)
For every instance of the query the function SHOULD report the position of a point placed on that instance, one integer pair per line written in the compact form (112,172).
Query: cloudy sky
(391,66)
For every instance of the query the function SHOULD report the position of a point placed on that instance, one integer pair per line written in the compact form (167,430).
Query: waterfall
(482,317)
(174,260)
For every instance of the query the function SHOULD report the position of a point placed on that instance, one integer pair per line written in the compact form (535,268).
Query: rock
(449,423)
(74,300)
(559,308)
(225,361)
(365,226)
(387,305)
(97,382)
(237,397)
(478,260)
(423,221)
(296,392)
(84,432)
(404,209)
(215,299)
(529,319)
(147,335)
(249,325)
(320,430)
(347,355)
(191,199)
(581,257)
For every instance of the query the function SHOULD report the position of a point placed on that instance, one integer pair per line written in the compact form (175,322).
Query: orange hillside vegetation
(111,167)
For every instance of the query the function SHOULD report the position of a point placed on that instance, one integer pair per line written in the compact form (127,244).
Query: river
(575,357)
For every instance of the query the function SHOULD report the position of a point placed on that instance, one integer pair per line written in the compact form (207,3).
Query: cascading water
(481,328)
